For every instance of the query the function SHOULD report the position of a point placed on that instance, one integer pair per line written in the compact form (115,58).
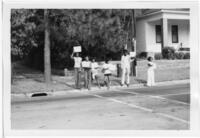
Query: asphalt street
(155,108)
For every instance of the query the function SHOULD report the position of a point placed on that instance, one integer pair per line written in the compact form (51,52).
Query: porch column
(164,26)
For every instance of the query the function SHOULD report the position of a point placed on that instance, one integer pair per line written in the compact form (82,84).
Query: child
(95,67)
(150,72)
(107,73)
(77,69)
(87,72)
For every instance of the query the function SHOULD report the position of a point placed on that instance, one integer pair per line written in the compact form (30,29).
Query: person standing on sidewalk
(107,73)
(77,69)
(150,72)
(125,65)
(95,74)
(86,64)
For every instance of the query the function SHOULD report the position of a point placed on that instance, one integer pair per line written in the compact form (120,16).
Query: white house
(160,28)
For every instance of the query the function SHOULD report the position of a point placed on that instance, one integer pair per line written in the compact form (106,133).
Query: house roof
(149,12)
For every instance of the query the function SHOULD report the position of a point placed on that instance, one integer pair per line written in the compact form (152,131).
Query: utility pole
(133,42)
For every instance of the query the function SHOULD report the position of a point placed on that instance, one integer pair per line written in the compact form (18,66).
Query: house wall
(152,46)
(146,34)
(145,27)
(183,33)
(140,36)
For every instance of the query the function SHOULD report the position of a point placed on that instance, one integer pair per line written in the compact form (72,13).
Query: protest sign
(132,54)
(77,49)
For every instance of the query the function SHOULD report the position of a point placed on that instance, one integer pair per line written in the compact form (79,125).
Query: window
(158,34)
(174,33)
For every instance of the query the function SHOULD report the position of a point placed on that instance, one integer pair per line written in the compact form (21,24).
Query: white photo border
(194,65)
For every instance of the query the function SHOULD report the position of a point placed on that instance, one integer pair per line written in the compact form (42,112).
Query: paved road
(163,107)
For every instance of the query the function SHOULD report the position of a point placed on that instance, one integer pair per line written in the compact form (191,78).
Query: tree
(47,53)
(100,32)
(22,32)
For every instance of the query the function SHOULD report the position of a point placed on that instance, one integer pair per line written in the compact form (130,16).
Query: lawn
(29,80)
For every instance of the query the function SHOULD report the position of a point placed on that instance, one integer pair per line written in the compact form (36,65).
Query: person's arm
(132,59)
(150,64)
(72,55)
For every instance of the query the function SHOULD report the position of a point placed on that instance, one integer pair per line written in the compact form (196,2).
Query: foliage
(179,55)
(142,55)
(186,56)
(100,32)
(184,49)
(158,56)
(23,31)
(168,53)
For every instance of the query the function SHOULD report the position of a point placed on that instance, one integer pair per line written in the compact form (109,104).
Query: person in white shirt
(107,73)
(95,74)
(77,69)
(86,65)
(125,66)
(150,72)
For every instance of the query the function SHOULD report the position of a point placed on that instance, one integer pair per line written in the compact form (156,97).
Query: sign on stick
(133,54)
(77,49)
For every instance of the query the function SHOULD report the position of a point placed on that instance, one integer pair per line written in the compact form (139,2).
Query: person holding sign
(77,69)
(150,72)
(125,65)
(86,64)
(95,74)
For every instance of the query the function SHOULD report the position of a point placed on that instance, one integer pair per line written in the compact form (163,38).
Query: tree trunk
(47,62)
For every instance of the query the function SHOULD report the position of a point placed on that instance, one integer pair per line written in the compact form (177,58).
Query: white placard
(112,67)
(86,64)
(77,49)
(132,54)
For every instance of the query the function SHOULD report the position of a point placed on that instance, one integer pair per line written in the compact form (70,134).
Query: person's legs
(152,78)
(123,75)
(97,80)
(105,81)
(148,77)
(85,78)
(76,77)
(89,79)
(93,75)
(108,82)
(79,79)
(127,76)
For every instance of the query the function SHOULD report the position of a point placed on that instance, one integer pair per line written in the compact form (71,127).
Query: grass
(29,80)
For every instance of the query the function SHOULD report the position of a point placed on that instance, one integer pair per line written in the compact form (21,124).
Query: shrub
(168,53)
(184,49)
(142,55)
(179,55)
(158,56)
(186,56)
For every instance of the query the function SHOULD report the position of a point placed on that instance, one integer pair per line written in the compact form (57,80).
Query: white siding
(152,46)
(140,36)
(183,33)
(145,35)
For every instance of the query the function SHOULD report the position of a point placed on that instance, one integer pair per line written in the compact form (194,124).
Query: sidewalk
(96,89)
(28,81)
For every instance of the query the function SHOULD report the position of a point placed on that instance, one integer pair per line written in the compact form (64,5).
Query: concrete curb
(96,90)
